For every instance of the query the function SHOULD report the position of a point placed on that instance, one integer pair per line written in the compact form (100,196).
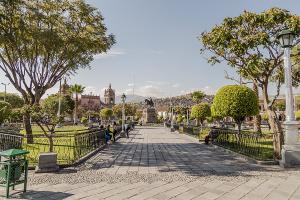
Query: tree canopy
(200,112)
(197,96)
(40,41)
(5,110)
(15,100)
(248,44)
(130,110)
(50,104)
(235,101)
(76,89)
(106,113)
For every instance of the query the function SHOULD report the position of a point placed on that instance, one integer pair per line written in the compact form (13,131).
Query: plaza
(118,100)
(156,164)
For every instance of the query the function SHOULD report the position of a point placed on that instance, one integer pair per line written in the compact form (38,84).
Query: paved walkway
(156,164)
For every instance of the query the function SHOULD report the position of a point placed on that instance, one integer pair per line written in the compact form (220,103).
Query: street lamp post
(187,115)
(123,98)
(5,84)
(291,149)
(172,115)
(59,105)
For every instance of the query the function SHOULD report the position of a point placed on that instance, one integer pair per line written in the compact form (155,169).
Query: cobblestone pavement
(156,164)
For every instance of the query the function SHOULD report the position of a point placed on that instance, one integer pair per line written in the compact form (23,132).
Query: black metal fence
(9,140)
(249,143)
(69,146)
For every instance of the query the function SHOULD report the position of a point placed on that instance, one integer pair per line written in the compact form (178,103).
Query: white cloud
(209,90)
(176,85)
(91,89)
(149,90)
(130,84)
(128,91)
(160,83)
(50,91)
(110,53)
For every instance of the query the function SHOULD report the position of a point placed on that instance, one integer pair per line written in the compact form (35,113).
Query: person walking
(127,128)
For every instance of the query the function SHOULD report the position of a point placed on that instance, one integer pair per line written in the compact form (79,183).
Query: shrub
(235,101)
(200,112)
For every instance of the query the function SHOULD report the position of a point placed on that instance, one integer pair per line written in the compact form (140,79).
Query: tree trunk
(28,128)
(239,124)
(275,125)
(50,143)
(257,118)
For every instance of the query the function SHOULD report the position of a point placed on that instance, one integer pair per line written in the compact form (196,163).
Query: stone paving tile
(155,164)
(242,190)
(114,191)
(264,189)
(177,191)
(155,191)
(139,190)
(285,190)
(197,191)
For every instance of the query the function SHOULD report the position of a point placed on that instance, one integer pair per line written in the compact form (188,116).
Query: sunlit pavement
(157,164)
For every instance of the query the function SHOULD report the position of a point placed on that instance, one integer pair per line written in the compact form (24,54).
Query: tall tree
(76,90)
(248,44)
(52,102)
(41,41)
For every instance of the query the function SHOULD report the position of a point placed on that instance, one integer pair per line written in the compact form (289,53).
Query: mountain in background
(131,99)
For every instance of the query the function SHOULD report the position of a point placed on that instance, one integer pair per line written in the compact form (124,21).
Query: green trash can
(13,169)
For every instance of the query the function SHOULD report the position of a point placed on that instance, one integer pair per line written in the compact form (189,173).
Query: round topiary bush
(235,101)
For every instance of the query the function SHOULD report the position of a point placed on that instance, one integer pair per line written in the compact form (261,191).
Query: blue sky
(157,46)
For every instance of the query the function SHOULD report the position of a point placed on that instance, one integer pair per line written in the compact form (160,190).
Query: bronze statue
(149,102)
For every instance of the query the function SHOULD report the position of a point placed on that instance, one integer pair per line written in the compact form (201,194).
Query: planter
(47,163)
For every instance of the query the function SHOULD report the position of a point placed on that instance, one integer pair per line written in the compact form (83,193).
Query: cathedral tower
(109,96)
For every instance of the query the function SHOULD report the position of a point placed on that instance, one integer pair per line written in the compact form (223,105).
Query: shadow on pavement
(38,195)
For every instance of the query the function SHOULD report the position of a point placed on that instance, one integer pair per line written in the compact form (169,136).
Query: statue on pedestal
(149,112)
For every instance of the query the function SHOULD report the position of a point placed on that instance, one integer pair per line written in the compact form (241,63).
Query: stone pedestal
(290,156)
(290,152)
(47,163)
(149,115)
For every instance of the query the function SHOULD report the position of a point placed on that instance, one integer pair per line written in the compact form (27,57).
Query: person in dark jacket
(107,134)
(114,133)
(127,128)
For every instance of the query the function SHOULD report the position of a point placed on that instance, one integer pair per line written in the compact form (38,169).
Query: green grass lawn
(63,145)
(36,130)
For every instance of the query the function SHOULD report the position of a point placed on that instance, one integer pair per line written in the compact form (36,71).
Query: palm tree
(76,89)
